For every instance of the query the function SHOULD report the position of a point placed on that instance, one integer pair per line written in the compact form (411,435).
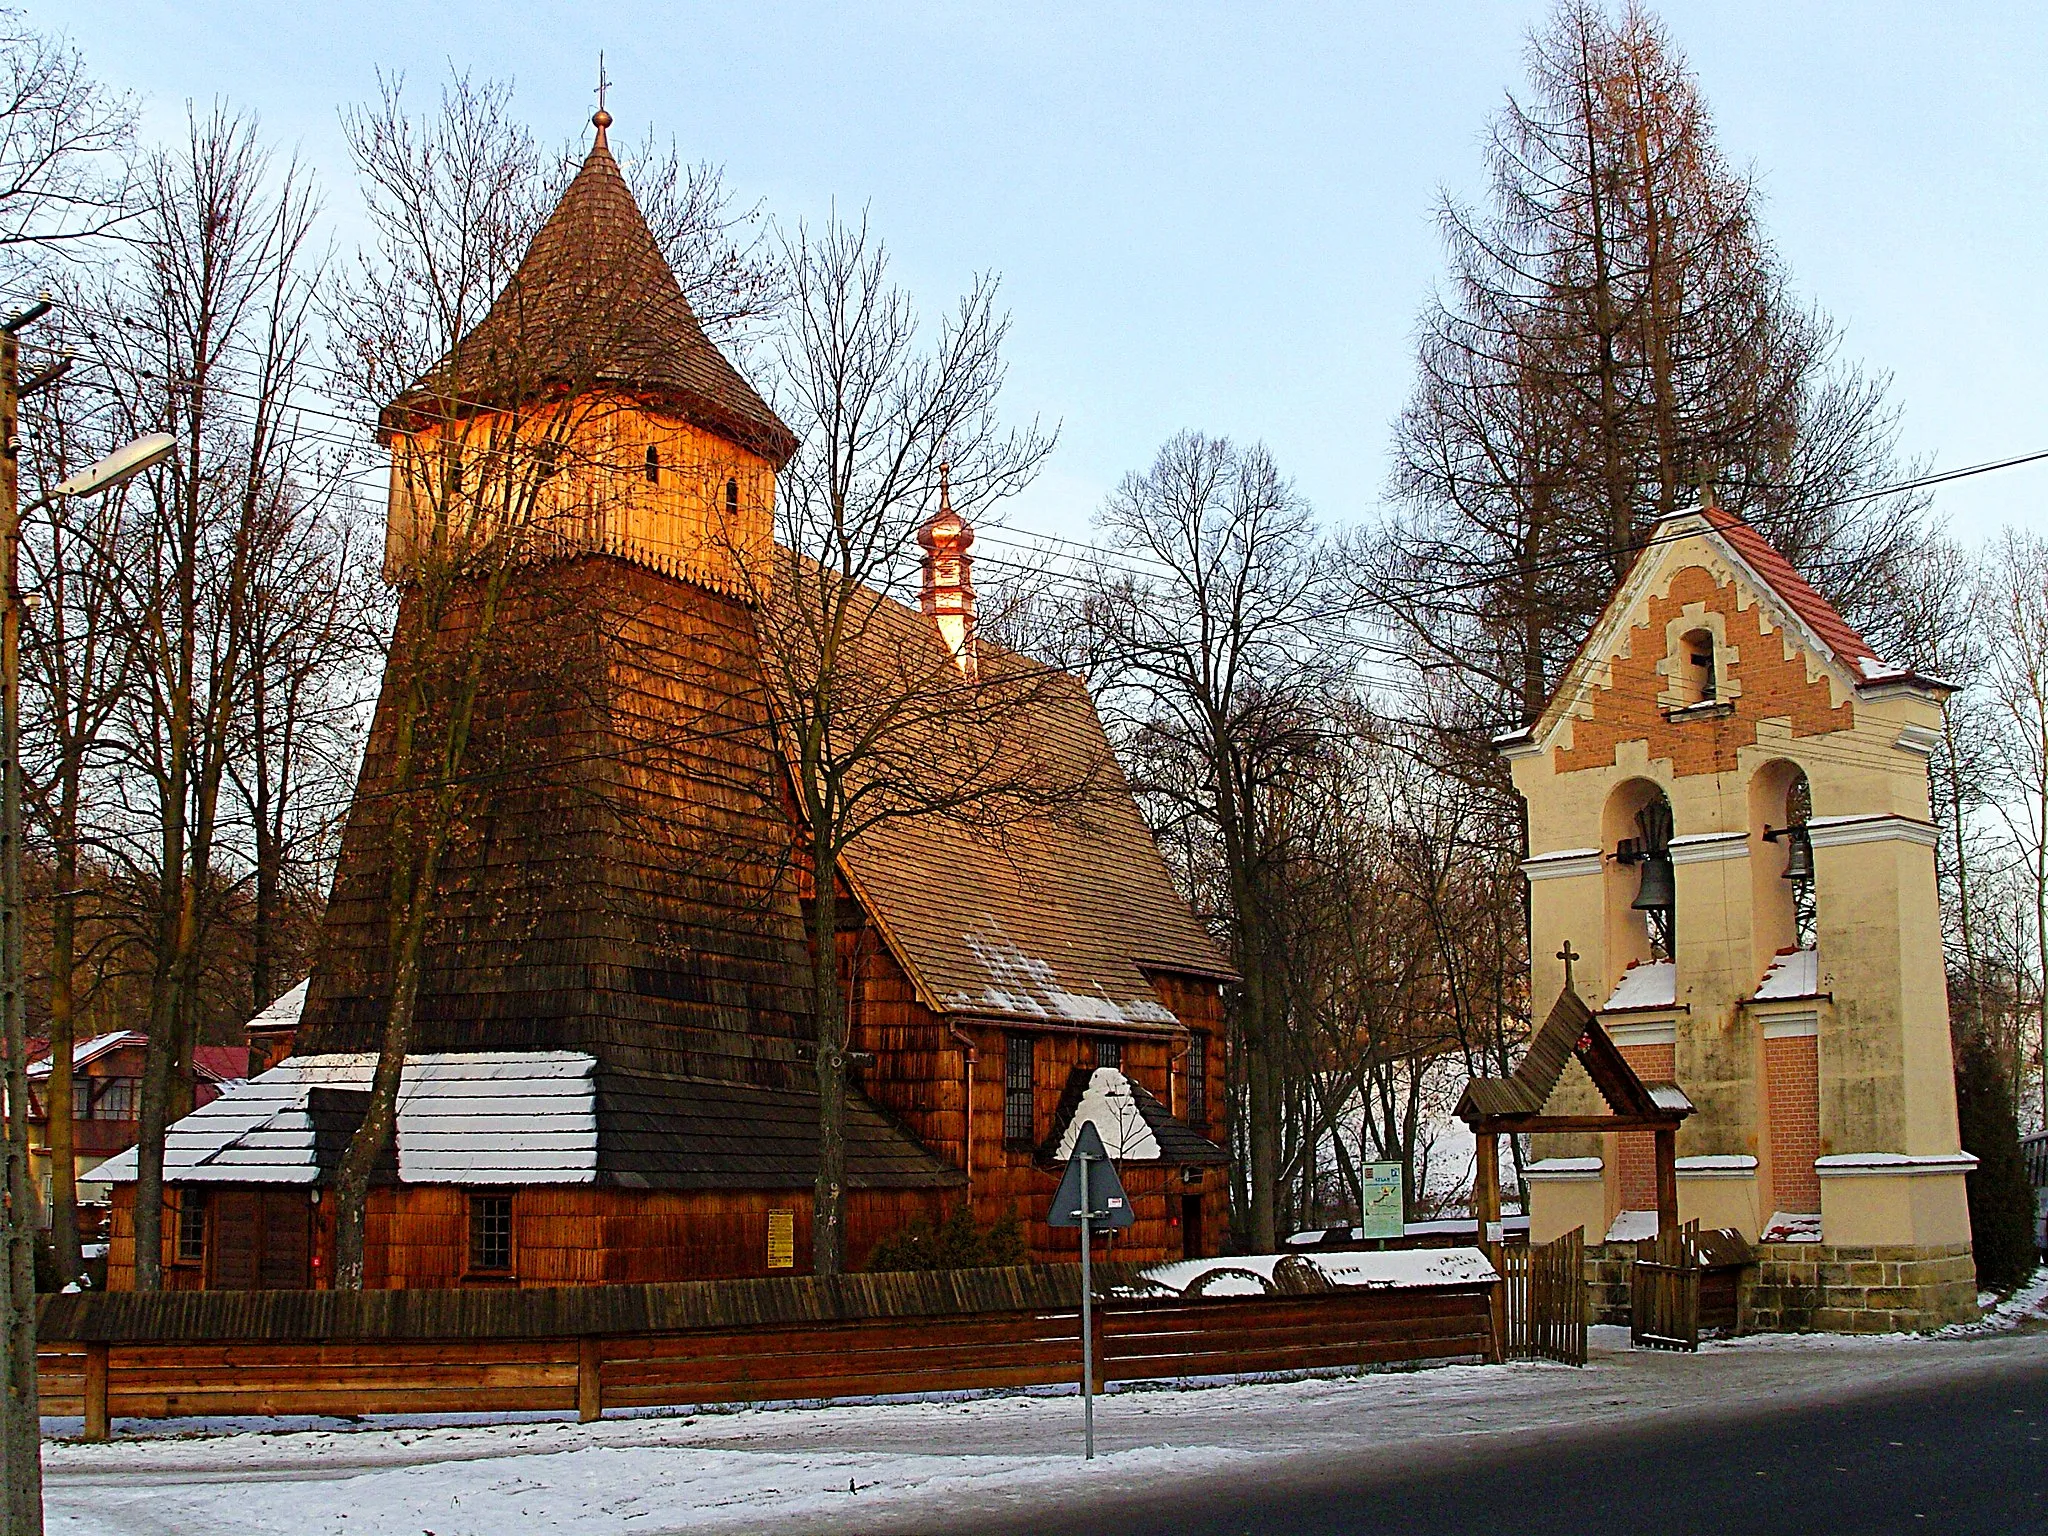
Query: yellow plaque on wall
(782,1239)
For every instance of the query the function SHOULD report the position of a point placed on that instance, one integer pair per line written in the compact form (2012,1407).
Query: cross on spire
(1568,955)
(601,119)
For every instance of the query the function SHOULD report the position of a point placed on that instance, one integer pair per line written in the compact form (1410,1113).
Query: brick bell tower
(1728,817)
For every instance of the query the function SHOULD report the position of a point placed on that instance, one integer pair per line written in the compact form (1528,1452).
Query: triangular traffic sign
(1109,1206)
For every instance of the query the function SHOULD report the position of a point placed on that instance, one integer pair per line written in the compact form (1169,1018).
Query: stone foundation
(1822,1288)
(1819,1288)
(1607,1286)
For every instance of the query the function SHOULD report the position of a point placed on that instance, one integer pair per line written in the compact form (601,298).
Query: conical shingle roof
(595,304)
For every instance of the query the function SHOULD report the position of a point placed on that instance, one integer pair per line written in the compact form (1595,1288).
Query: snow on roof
(285,1012)
(486,1117)
(1019,983)
(1733,1162)
(1632,1227)
(1646,984)
(1401,1270)
(1112,1109)
(1668,1096)
(1448,1225)
(90,1050)
(1791,975)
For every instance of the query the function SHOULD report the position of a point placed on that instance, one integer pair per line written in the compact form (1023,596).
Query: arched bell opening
(1781,863)
(1641,892)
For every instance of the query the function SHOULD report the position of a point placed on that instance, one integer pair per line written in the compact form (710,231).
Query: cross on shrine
(603,80)
(1568,955)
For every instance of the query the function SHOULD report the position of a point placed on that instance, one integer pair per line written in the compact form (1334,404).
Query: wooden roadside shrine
(1513,1105)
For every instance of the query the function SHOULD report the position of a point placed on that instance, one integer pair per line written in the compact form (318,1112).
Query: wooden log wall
(169,1356)
(919,1075)
(417,1236)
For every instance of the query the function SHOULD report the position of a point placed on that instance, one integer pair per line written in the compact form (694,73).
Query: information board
(1384,1201)
(782,1239)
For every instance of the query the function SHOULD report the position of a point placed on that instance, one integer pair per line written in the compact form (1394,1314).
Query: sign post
(1087,1201)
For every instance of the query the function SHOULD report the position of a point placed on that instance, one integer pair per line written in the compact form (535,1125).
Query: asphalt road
(1963,1456)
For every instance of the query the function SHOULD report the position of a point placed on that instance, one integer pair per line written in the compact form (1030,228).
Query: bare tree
(880,719)
(1216,665)
(315,625)
(1617,333)
(206,333)
(2015,609)
(63,143)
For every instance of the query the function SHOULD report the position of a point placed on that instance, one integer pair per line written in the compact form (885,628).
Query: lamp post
(21,1471)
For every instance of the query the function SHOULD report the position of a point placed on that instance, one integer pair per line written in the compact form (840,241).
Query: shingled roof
(1571,1030)
(1053,916)
(594,303)
(1798,594)
(532,1117)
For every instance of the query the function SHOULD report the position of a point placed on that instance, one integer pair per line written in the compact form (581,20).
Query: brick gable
(1762,683)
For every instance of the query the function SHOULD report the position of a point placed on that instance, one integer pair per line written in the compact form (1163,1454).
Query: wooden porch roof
(1515,1103)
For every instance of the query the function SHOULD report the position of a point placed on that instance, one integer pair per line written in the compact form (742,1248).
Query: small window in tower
(1198,1080)
(490,1232)
(1696,680)
(732,498)
(653,465)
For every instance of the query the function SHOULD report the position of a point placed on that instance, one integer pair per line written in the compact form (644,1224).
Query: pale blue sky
(1218,216)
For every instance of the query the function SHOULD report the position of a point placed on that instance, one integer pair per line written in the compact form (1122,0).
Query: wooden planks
(924,1347)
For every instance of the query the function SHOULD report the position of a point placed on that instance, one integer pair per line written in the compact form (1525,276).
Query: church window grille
(1198,1079)
(1109,1053)
(192,1226)
(490,1232)
(1019,1098)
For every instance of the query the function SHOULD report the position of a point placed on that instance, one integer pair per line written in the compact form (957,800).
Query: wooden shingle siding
(623,885)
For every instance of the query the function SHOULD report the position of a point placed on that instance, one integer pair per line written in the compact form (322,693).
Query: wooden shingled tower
(610,1078)
(621,884)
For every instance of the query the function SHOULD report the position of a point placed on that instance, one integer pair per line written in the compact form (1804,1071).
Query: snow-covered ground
(926,1466)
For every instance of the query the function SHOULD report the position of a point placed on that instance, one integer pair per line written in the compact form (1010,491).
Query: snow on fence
(588,1348)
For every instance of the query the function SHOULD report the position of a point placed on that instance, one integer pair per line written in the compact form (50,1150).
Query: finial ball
(601,119)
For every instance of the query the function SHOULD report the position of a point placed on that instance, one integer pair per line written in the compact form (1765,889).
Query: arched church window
(653,465)
(732,498)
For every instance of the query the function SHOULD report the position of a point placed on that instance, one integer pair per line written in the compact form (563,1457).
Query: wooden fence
(590,1348)
(1546,1298)
(1664,1293)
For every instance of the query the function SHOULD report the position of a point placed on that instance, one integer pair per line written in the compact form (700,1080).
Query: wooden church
(612,1076)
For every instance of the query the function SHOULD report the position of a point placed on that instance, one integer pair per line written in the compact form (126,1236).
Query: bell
(1657,891)
(1798,855)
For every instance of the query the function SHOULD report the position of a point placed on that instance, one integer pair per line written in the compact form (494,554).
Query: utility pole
(21,1431)
(21,1427)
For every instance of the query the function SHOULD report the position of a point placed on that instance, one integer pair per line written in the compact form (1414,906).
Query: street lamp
(20,1427)
(120,466)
